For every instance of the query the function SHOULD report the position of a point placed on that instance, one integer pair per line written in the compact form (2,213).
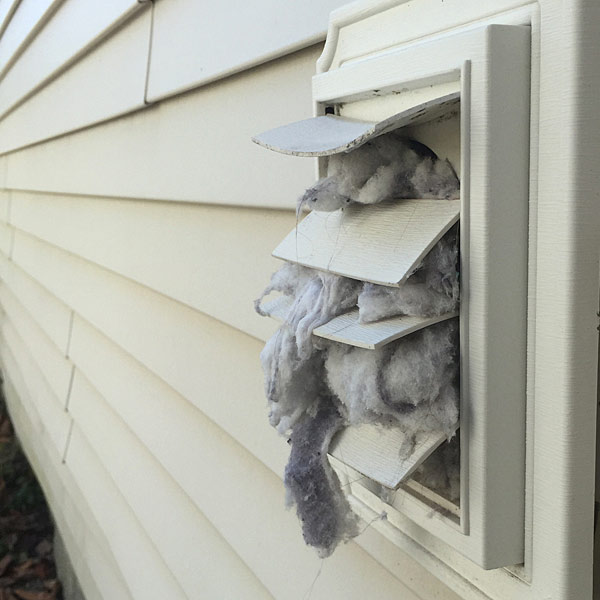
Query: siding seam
(150,41)
(69,332)
(30,37)
(67,442)
(73,59)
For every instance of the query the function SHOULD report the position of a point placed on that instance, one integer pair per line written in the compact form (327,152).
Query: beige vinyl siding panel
(55,494)
(130,386)
(3,171)
(6,234)
(183,347)
(101,86)
(60,42)
(218,41)
(4,204)
(55,368)
(54,421)
(171,248)
(405,558)
(126,385)
(52,316)
(132,251)
(29,16)
(94,564)
(237,406)
(143,569)
(37,399)
(6,231)
(194,552)
(193,148)
(245,499)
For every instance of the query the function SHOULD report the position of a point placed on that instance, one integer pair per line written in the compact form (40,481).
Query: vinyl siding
(60,43)
(133,239)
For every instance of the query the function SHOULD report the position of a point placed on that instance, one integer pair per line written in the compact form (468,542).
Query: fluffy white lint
(316,387)
(389,166)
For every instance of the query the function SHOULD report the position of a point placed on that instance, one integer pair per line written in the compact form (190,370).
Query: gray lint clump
(441,471)
(432,290)
(293,369)
(313,486)
(386,167)
(410,383)
(317,387)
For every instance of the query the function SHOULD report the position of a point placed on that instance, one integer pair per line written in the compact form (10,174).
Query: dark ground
(27,570)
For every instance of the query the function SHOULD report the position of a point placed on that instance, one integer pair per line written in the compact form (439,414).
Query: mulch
(27,569)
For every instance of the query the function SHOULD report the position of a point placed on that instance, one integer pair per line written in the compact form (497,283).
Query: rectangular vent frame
(490,64)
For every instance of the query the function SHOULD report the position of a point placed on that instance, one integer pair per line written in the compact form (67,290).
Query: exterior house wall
(133,238)
(136,225)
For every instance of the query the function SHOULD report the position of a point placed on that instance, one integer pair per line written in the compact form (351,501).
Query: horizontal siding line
(86,127)
(246,69)
(131,535)
(214,446)
(17,315)
(151,374)
(20,48)
(113,414)
(24,348)
(73,360)
(61,504)
(250,455)
(107,83)
(113,28)
(7,319)
(54,419)
(27,312)
(134,282)
(121,114)
(6,239)
(269,464)
(47,479)
(360,542)
(278,30)
(183,166)
(117,348)
(141,200)
(36,300)
(208,258)
(75,499)
(48,402)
